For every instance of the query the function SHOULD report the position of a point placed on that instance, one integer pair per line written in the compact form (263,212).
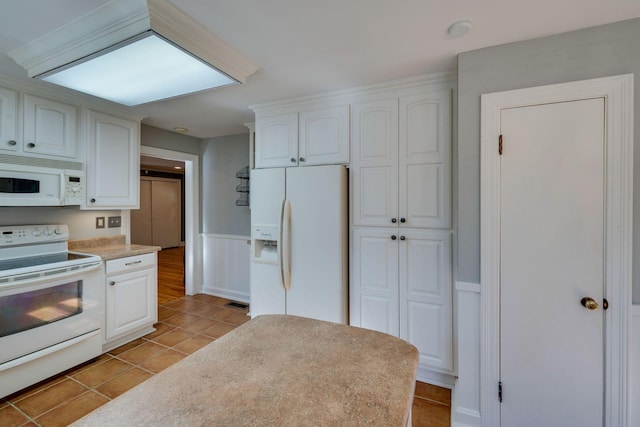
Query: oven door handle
(45,280)
(49,350)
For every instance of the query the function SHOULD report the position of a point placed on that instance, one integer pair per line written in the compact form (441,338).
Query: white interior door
(552,255)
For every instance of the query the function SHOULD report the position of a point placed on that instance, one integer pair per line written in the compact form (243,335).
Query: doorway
(192,263)
(555,225)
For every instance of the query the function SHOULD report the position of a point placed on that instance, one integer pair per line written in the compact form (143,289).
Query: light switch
(99,222)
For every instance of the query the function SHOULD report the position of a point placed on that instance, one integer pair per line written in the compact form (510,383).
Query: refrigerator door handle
(284,244)
(280,240)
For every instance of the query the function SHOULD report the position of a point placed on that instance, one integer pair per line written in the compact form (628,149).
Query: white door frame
(192,258)
(618,94)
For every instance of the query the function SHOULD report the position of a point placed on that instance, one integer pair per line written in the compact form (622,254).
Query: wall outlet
(115,221)
(99,222)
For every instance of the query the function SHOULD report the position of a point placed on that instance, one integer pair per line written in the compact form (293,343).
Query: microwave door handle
(63,188)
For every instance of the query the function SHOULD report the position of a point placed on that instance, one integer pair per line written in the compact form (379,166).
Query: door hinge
(500,145)
(500,391)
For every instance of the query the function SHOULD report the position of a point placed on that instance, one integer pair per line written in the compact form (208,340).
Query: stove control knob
(36,232)
(57,231)
(46,232)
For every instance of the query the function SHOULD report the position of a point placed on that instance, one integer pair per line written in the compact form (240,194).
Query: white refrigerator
(299,242)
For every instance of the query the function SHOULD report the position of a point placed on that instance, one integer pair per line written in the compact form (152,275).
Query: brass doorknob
(589,303)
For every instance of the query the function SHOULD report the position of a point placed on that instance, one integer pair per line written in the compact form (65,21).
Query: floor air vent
(239,305)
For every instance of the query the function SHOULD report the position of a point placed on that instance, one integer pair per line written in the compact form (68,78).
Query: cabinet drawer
(130,263)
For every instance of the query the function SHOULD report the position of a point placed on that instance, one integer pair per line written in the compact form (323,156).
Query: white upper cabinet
(310,137)
(424,160)
(113,162)
(8,120)
(277,141)
(401,161)
(324,136)
(374,162)
(49,127)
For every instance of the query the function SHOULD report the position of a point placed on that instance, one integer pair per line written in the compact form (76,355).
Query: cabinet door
(277,141)
(374,280)
(424,160)
(426,296)
(374,162)
(8,119)
(49,127)
(113,162)
(131,302)
(324,136)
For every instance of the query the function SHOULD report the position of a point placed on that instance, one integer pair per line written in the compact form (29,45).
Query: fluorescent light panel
(143,69)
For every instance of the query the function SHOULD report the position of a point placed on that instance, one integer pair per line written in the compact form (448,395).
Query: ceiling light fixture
(134,52)
(459,29)
(181,129)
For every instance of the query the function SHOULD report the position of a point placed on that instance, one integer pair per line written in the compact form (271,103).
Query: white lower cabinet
(131,306)
(401,285)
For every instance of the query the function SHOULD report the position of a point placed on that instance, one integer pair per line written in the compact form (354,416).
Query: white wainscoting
(225,266)
(465,402)
(634,368)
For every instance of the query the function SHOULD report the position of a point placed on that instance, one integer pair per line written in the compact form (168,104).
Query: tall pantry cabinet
(401,280)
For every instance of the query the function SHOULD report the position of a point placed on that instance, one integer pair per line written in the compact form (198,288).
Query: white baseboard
(436,378)
(226,293)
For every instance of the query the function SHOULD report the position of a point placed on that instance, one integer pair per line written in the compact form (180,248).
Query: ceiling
(306,47)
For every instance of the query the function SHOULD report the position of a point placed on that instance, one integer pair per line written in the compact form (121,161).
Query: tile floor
(185,325)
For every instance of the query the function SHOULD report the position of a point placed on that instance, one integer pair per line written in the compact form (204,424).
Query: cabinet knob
(402,220)
(393,237)
(302,159)
(93,200)
(402,237)
(393,220)
(112,283)
(293,160)
(31,145)
(12,142)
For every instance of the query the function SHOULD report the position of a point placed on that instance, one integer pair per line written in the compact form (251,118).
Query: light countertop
(110,247)
(277,370)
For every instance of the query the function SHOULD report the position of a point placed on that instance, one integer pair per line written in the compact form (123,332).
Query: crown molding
(111,23)
(348,95)
(119,20)
(172,23)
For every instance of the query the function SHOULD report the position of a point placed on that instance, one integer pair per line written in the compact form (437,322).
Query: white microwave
(27,185)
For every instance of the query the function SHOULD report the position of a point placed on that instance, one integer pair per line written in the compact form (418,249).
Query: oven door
(45,311)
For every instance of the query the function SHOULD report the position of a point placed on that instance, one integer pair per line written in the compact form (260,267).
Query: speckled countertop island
(110,247)
(277,370)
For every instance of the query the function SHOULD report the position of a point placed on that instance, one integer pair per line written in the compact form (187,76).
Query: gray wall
(594,52)
(160,138)
(221,158)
